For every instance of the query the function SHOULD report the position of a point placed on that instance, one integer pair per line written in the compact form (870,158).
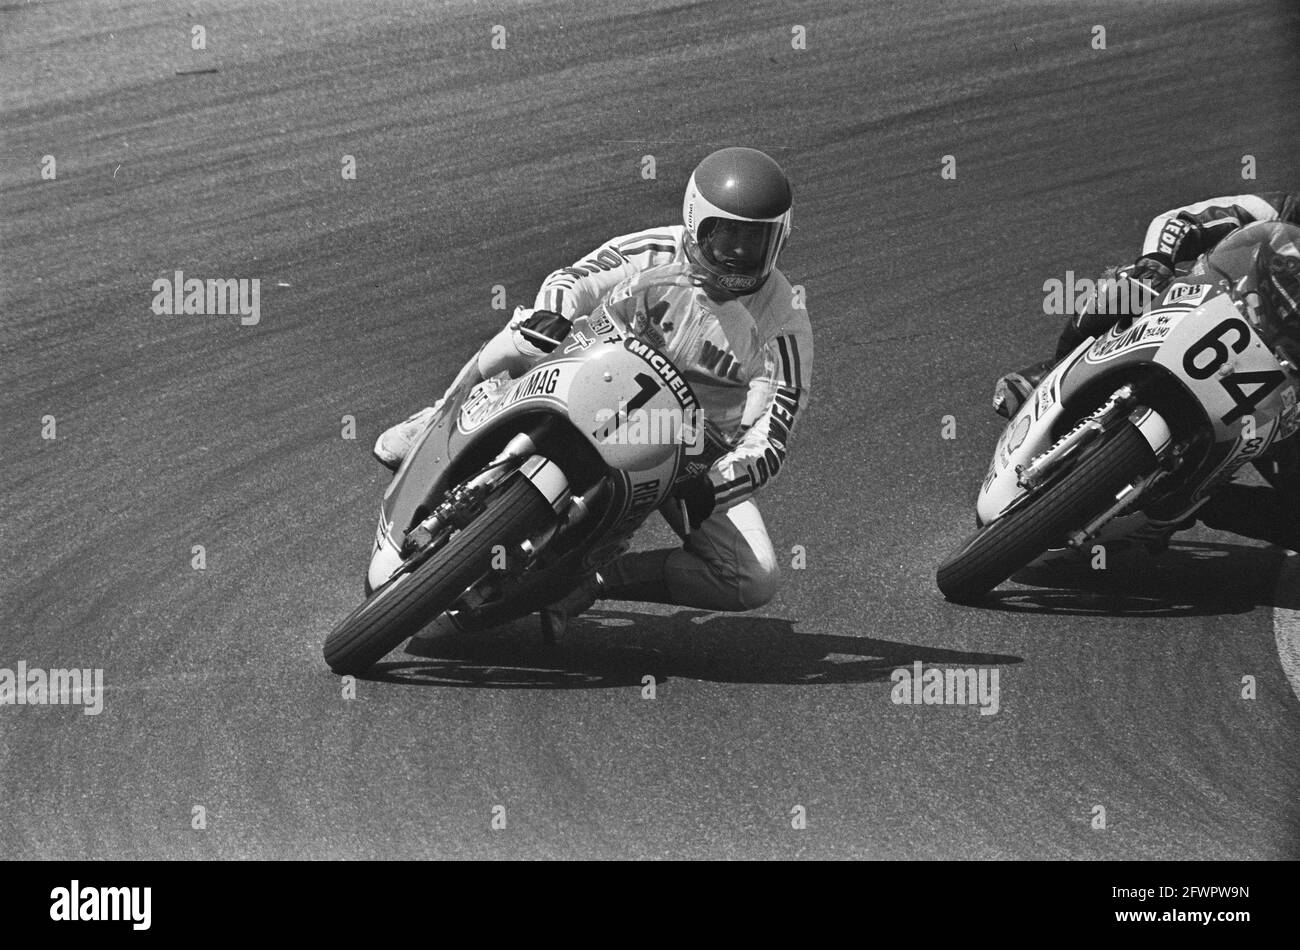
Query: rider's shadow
(1192,578)
(616,648)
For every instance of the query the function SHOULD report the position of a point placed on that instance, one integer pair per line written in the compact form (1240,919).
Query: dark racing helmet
(737,216)
(1264,259)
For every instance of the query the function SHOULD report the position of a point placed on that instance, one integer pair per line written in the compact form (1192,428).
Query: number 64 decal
(1264,382)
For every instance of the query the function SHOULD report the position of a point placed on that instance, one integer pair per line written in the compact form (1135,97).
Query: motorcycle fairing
(579,382)
(1140,339)
(1164,337)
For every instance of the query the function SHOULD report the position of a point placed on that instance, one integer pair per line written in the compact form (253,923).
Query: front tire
(1001,548)
(408,602)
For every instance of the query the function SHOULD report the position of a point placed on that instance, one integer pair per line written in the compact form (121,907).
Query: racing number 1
(1265,381)
(648,389)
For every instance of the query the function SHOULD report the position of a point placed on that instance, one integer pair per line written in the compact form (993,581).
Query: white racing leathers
(1186,232)
(749,360)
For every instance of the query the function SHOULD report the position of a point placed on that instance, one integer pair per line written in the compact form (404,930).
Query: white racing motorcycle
(518,488)
(1136,427)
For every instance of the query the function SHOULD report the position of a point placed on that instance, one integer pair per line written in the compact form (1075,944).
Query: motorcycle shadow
(1191,579)
(610,648)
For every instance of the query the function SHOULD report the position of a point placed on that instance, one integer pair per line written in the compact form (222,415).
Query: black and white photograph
(671,430)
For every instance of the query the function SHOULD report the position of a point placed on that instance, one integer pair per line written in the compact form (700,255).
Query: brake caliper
(461,506)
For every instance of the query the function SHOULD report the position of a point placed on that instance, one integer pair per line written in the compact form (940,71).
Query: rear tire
(401,607)
(999,549)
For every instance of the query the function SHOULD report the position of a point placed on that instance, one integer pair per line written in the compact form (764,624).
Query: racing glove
(529,336)
(700,498)
(1156,270)
(1128,291)
(543,330)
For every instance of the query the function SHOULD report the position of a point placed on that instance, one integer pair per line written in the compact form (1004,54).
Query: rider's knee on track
(756,583)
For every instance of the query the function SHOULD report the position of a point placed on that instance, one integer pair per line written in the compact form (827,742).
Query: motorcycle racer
(727,318)
(1174,238)
(1260,263)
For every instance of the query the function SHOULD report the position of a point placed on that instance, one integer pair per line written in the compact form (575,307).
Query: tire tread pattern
(998,550)
(365,636)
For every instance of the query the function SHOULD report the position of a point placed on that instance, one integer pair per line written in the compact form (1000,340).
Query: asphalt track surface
(479,167)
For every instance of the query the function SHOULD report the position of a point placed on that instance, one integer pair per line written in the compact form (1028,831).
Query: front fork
(1121,405)
(465,502)
(1032,476)
(468,501)
(524,556)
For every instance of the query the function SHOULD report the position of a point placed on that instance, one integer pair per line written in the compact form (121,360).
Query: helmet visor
(1281,277)
(1264,257)
(746,248)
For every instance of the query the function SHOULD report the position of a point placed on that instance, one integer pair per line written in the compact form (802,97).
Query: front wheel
(1001,548)
(401,607)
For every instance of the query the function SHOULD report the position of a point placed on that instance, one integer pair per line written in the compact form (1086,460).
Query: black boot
(1013,389)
